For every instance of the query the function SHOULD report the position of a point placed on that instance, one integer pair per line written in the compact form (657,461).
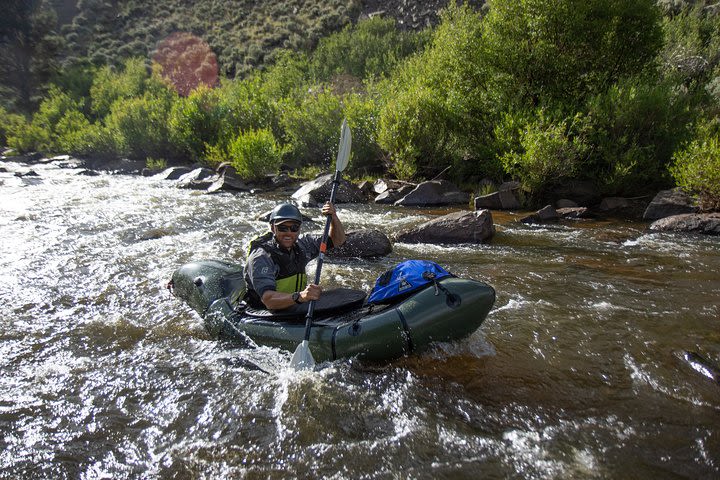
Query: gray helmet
(285,211)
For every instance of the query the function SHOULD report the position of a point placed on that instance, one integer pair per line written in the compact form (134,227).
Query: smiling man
(276,261)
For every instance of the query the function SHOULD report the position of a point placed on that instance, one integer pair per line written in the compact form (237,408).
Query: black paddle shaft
(321,256)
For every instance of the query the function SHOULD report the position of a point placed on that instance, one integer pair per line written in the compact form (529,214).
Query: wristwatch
(296,297)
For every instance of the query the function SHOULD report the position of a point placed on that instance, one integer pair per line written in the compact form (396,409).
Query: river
(578,371)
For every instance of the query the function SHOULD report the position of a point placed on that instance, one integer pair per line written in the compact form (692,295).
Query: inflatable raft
(344,325)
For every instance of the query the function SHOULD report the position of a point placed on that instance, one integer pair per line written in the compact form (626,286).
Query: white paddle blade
(302,358)
(343,156)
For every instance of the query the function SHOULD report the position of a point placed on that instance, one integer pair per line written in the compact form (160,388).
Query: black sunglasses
(288,228)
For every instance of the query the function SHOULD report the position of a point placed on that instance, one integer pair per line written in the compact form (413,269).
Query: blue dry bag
(404,279)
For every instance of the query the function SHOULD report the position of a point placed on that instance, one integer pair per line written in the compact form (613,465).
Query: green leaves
(561,52)
(255,153)
(548,154)
(696,168)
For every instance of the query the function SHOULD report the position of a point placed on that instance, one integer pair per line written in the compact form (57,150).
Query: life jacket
(291,276)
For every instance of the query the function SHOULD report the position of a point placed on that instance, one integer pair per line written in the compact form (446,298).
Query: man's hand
(311,292)
(337,232)
(328,209)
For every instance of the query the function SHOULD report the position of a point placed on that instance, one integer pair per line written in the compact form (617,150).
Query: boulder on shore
(434,192)
(198,179)
(174,173)
(316,192)
(669,202)
(545,214)
(389,197)
(574,212)
(382,185)
(364,244)
(500,200)
(226,183)
(705,223)
(581,192)
(457,227)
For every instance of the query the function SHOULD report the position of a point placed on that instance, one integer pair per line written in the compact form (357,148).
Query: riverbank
(669,210)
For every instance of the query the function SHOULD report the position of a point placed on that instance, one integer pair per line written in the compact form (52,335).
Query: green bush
(255,153)
(371,48)
(76,81)
(287,78)
(634,129)
(436,109)
(312,129)
(10,125)
(109,85)
(27,137)
(96,140)
(195,121)
(692,40)
(412,128)
(155,163)
(549,154)
(361,112)
(544,52)
(244,105)
(696,168)
(41,134)
(71,131)
(139,126)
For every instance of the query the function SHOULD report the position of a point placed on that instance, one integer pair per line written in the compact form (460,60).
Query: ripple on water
(571,376)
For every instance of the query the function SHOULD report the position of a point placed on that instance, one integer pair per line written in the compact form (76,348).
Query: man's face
(286,233)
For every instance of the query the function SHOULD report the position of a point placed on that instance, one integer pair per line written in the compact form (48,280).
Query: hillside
(242,33)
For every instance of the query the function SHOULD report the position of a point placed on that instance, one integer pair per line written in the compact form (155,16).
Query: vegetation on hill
(623,94)
(243,33)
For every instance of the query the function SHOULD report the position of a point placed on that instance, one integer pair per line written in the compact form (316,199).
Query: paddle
(302,358)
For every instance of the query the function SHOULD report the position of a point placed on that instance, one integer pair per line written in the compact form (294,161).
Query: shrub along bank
(522,92)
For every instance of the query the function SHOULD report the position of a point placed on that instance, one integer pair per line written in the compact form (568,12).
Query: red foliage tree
(187,61)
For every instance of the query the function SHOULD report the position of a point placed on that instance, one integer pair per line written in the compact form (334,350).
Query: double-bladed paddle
(302,358)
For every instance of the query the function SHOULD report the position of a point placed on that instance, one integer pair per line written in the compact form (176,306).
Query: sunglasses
(288,228)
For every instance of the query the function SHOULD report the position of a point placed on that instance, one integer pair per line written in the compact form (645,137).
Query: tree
(28,49)
(187,62)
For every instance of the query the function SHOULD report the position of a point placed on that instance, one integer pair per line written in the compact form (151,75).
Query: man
(276,261)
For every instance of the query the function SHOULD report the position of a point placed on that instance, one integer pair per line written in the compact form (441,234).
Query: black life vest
(291,276)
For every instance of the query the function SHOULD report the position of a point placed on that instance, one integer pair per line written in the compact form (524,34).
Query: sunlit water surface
(577,372)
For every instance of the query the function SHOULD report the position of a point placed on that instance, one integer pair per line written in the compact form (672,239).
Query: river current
(578,371)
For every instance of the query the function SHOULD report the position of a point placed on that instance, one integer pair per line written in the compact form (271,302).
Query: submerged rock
(701,365)
(574,212)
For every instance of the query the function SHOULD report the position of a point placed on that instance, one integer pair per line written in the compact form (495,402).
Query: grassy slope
(243,33)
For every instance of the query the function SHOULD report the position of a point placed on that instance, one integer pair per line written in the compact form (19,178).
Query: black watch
(296,298)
